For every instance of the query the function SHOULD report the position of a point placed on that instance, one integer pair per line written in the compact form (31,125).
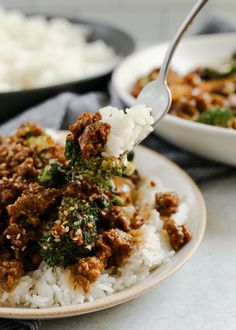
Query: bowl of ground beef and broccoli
(202,80)
(206,95)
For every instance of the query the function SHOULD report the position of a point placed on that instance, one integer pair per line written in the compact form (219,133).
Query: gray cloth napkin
(8,324)
(62,110)
(214,22)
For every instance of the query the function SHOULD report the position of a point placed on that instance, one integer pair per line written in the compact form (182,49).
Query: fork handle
(175,41)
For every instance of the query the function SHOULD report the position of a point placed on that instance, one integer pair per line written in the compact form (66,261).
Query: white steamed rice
(46,287)
(35,52)
(127,128)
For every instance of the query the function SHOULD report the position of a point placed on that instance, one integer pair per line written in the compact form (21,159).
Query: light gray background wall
(147,20)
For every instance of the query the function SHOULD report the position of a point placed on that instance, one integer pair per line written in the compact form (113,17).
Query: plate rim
(129,293)
(129,100)
(199,126)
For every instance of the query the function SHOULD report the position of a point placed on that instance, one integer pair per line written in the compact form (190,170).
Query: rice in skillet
(36,52)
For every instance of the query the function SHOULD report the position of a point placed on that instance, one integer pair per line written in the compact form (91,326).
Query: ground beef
(9,191)
(193,79)
(27,151)
(203,101)
(137,221)
(19,155)
(34,202)
(90,132)
(138,86)
(185,108)
(11,156)
(93,139)
(190,106)
(24,204)
(224,88)
(178,235)
(82,122)
(27,170)
(10,272)
(113,218)
(167,203)
(172,78)
(103,250)
(18,236)
(86,271)
(232,101)
(112,247)
(233,124)
(23,213)
(121,245)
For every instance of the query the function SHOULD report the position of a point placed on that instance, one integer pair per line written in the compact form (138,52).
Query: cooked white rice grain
(127,128)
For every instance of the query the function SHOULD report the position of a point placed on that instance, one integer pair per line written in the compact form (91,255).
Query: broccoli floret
(63,253)
(72,151)
(28,130)
(118,200)
(96,170)
(72,235)
(40,142)
(52,174)
(216,117)
(100,170)
(112,167)
(130,156)
(211,73)
(233,67)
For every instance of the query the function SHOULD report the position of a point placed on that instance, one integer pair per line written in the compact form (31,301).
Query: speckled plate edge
(138,289)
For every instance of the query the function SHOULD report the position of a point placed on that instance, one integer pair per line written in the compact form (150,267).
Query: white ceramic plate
(149,163)
(215,143)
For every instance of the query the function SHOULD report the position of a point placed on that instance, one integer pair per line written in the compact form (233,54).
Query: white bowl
(149,163)
(215,143)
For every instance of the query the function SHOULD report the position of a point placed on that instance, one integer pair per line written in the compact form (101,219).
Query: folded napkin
(9,324)
(214,22)
(62,110)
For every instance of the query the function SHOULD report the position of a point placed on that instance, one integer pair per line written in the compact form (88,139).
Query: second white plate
(211,142)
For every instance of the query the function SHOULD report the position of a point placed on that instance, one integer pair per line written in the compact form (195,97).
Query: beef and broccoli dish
(205,95)
(71,217)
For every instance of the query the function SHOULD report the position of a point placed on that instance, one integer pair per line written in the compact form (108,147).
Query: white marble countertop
(201,295)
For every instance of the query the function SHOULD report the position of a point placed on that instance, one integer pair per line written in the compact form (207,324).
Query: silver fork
(156,94)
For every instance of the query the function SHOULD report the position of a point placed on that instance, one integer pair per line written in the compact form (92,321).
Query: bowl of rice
(43,56)
(88,222)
